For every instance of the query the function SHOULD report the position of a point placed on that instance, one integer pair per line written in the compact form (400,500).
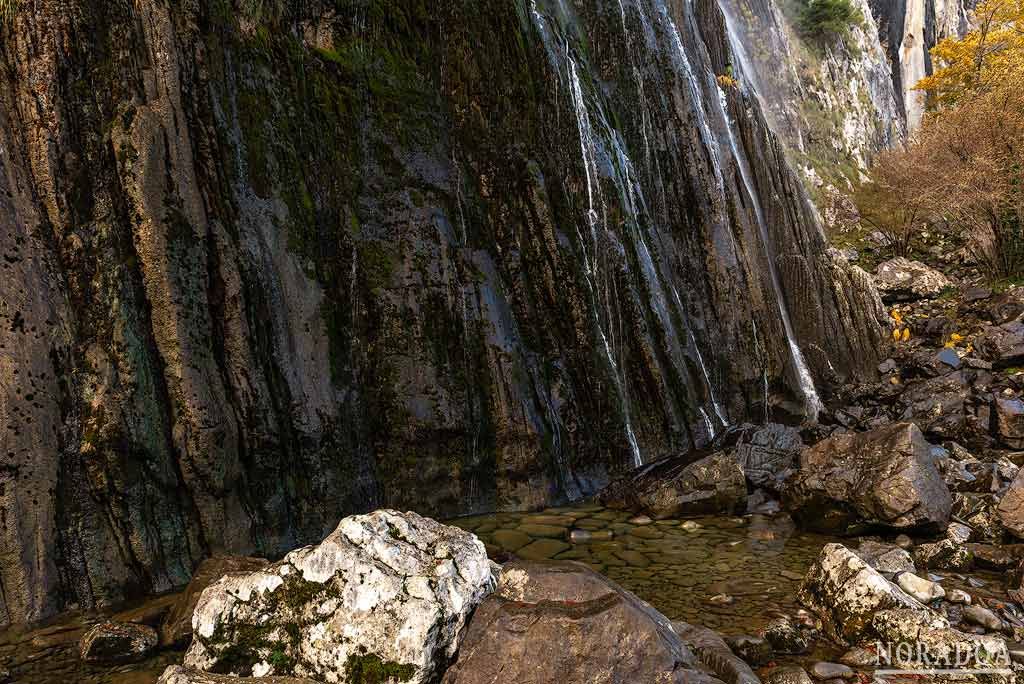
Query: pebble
(640,520)
(831,671)
(580,536)
(904,542)
(923,590)
(1016,650)
(958,596)
(983,617)
(949,357)
(721,599)
(690,525)
(789,574)
(975,582)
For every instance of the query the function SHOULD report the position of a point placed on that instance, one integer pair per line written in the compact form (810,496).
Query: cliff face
(267,264)
(832,103)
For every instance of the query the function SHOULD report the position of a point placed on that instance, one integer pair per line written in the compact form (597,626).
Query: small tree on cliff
(828,20)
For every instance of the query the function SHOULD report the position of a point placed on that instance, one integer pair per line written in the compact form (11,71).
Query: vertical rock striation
(267,264)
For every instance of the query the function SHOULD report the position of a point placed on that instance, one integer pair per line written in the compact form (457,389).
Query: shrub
(7,10)
(828,20)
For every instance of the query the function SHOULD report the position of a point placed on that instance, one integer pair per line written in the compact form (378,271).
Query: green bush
(828,20)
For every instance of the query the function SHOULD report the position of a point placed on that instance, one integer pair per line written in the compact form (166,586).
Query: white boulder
(386,594)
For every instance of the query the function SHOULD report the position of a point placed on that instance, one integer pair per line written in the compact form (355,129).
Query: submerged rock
(846,593)
(789,674)
(885,478)
(385,592)
(900,280)
(562,622)
(117,642)
(671,488)
(713,652)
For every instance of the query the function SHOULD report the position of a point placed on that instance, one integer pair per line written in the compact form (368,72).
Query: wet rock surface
(854,481)
(561,621)
(117,642)
(901,279)
(673,488)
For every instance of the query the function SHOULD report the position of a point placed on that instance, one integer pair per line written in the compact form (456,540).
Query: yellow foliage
(726,81)
(896,335)
(987,56)
(897,316)
(906,334)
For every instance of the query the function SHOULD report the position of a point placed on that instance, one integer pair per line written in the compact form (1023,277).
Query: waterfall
(804,377)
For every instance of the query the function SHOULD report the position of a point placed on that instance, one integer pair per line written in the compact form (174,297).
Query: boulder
(1011,507)
(117,642)
(768,453)
(983,617)
(671,488)
(888,559)
(846,592)
(387,592)
(789,674)
(787,637)
(1003,345)
(944,555)
(177,626)
(884,478)
(715,655)
(176,674)
(1010,422)
(559,621)
(902,280)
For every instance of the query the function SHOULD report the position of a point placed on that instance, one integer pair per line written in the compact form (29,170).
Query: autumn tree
(991,53)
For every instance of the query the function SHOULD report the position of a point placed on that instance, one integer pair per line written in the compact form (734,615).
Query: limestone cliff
(266,263)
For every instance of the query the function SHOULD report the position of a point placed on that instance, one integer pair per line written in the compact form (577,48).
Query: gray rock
(1010,422)
(881,478)
(959,533)
(846,592)
(932,633)
(900,280)
(755,651)
(950,358)
(904,542)
(562,622)
(1010,511)
(671,488)
(860,658)
(117,642)
(1003,345)
(768,453)
(887,366)
(886,558)
(338,605)
(921,589)
(823,670)
(785,636)
(983,617)
(944,555)
(713,652)
(958,596)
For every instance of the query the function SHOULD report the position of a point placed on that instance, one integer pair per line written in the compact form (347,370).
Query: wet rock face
(671,488)
(385,593)
(264,271)
(885,478)
(176,674)
(560,621)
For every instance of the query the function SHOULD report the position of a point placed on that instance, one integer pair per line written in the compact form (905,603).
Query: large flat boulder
(177,626)
(385,593)
(846,593)
(901,280)
(562,623)
(768,453)
(1011,507)
(176,674)
(672,487)
(855,481)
